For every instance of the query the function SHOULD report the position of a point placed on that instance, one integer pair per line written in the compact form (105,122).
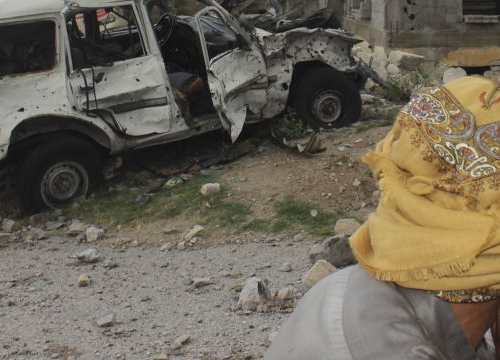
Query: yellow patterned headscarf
(437,226)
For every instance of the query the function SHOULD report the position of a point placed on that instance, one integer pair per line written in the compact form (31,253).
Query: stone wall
(417,15)
(378,17)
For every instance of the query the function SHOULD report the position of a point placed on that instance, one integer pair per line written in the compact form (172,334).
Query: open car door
(237,76)
(113,74)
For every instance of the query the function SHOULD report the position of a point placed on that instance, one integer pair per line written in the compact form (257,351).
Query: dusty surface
(44,314)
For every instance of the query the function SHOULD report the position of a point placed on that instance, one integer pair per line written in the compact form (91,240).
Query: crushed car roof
(14,8)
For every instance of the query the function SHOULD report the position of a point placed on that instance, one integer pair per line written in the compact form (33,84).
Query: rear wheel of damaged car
(326,98)
(56,172)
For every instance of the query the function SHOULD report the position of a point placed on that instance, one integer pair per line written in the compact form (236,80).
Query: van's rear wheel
(326,98)
(57,172)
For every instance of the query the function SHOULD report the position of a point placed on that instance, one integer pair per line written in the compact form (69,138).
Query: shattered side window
(100,37)
(27,47)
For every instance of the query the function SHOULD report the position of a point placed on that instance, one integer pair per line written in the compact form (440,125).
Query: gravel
(44,313)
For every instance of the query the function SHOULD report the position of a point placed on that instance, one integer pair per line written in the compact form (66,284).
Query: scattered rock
(336,250)
(346,226)
(38,234)
(8,225)
(299,237)
(193,232)
(110,264)
(106,321)
(368,99)
(379,65)
(201,282)
(253,294)
(356,183)
(316,253)
(208,189)
(83,280)
(318,272)
(452,74)
(168,231)
(393,70)
(4,239)
(76,227)
(314,213)
(181,341)
(93,234)
(54,225)
(89,256)
(370,85)
(167,247)
(142,199)
(37,219)
(286,267)
(286,294)
(181,246)
(161,357)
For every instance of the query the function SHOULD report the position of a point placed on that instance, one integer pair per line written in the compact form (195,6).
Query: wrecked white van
(76,88)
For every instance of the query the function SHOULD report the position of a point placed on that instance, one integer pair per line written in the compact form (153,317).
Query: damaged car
(82,81)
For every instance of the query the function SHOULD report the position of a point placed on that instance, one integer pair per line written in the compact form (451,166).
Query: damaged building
(456,32)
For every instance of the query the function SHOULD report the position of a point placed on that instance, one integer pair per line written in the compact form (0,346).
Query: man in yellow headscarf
(428,281)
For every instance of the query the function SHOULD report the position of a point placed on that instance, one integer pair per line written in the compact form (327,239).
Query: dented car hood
(275,42)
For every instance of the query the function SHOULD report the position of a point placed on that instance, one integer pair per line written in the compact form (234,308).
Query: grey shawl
(350,316)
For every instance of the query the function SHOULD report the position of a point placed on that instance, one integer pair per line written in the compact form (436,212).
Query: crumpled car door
(237,78)
(129,89)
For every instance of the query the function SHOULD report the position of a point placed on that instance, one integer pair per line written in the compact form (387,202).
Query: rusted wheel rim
(327,106)
(62,182)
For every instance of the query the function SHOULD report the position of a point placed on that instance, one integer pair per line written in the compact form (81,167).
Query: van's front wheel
(55,173)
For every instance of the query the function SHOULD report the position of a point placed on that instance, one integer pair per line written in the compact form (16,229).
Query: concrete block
(405,61)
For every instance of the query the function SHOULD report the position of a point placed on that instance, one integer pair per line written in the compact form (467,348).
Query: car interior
(27,47)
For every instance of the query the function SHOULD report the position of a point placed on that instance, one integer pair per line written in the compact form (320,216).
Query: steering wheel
(164,28)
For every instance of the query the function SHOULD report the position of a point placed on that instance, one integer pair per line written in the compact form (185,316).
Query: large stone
(368,99)
(38,234)
(209,189)
(93,233)
(379,65)
(83,280)
(76,227)
(318,272)
(8,225)
(181,341)
(106,321)
(405,61)
(202,282)
(452,74)
(393,70)
(195,230)
(336,250)
(286,294)
(89,256)
(4,239)
(346,226)
(253,294)
(286,267)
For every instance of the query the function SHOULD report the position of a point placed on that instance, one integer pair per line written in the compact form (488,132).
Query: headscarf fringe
(439,271)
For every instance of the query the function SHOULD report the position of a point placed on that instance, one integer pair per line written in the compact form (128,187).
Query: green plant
(111,208)
(398,90)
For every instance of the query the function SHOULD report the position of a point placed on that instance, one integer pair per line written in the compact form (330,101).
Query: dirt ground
(44,314)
